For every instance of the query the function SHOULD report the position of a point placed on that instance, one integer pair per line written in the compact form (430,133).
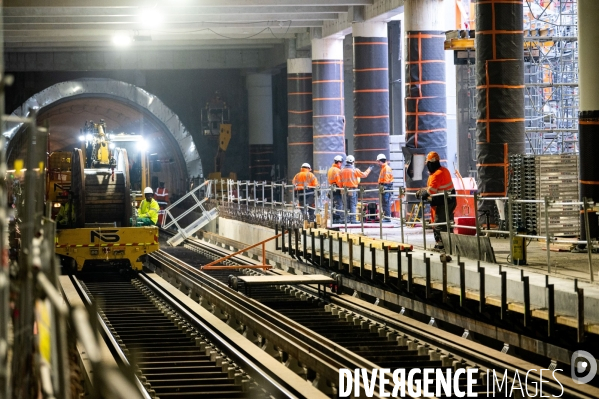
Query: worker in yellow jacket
(147,215)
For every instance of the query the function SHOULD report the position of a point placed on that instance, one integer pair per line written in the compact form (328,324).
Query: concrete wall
(246,233)
(185,92)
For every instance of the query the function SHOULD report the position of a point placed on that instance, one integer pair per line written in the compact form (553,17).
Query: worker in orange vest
(439,180)
(386,182)
(304,183)
(349,178)
(161,194)
(334,178)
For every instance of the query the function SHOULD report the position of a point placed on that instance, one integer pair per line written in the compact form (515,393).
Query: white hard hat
(148,190)
(306,165)
(350,159)
(338,158)
(381,156)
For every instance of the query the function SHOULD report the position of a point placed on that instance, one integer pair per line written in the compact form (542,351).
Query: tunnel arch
(118,91)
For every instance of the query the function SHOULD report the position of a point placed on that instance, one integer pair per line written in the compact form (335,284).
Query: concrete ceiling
(48,25)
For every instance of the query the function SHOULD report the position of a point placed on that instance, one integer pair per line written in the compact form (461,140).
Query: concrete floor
(563,264)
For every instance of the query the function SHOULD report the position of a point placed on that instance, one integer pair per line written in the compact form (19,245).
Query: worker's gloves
(422,194)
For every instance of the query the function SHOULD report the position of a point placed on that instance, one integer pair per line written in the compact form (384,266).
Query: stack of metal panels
(557,178)
(529,186)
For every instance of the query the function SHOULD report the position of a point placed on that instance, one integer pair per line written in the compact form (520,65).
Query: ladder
(169,220)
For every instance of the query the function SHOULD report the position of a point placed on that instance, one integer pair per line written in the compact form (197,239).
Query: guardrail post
(478,246)
(313,242)
(291,251)
(373,262)
(362,260)
(482,300)
(423,223)
(510,227)
(462,266)
(330,251)
(427,263)
(304,245)
(444,265)
(588,233)
(503,311)
(580,314)
(362,209)
(399,268)
(547,237)
(277,247)
(550,310)
(340,242)
(526,288)
(350,243)
(401,221)
(409,285)
(386,264)
(321,257)
(381,188)
(345,206)
(447,221)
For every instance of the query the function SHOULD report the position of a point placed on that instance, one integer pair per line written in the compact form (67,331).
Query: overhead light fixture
(150,18)
(121,40)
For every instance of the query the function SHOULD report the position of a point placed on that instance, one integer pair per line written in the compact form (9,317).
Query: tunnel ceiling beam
(138,60)
(195,3)
(379,10)
(292,11)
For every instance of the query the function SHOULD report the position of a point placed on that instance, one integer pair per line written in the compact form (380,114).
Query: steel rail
(309,348)
(447,342)
(265,378)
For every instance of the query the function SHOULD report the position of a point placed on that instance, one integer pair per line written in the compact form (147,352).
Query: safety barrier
(285,196)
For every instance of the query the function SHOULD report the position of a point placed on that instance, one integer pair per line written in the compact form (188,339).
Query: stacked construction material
(557,178)
(522,186)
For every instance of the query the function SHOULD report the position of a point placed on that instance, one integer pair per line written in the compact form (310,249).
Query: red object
(465,221)
(465,186)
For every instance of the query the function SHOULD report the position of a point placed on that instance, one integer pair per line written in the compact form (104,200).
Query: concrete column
(259,87)
(500,93)
(588,83)
(371,96)
(299,104)
(327,103)
(426,106)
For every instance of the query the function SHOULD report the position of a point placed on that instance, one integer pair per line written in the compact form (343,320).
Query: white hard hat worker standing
(147,214)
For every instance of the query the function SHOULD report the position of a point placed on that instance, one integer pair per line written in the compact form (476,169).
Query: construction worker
(305,182)
(147,214)
(63,218)
(161,194)
(386,182)
(334,178)
(439,181)
(349,179)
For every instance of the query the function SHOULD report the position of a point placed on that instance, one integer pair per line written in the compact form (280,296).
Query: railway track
(175,353)
(346,332)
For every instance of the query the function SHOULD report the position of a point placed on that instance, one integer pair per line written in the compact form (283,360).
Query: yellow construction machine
(105,190)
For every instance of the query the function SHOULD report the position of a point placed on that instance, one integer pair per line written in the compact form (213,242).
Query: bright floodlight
(121,40)
(111,146)
(82,138)
(150,18)
(89,137)
(142,145)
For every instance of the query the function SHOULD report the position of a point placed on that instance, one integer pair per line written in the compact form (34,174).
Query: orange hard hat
(432,157)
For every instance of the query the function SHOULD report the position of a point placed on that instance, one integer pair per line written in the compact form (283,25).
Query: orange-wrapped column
(371,97)
(299,109)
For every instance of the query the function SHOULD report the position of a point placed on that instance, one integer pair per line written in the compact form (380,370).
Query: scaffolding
(551,76)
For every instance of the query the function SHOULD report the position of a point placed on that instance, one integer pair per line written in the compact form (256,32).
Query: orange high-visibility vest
(350,175)
(305,178)
(334,175)
(439,181)
(161,194)
(386,175)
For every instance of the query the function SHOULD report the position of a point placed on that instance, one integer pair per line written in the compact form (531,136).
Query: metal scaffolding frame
(551,76)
